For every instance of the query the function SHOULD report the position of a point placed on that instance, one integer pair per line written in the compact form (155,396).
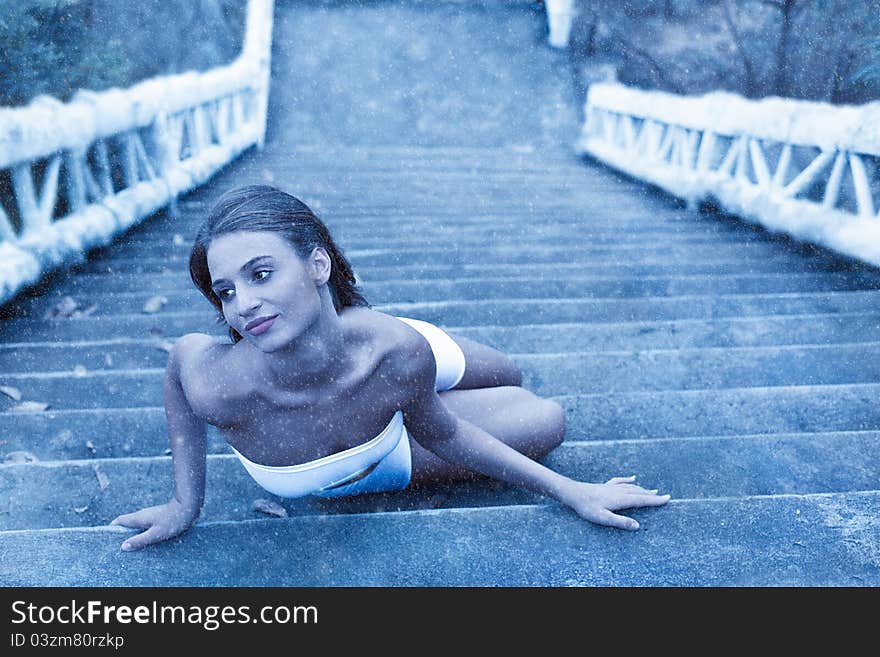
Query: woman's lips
(261,326)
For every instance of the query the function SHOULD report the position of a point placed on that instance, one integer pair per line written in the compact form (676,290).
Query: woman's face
(269,294)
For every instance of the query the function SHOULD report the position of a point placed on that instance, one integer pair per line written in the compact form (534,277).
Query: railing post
(832,188)
(560,14)
(862,187)
(258,50)
(706,153)
(75,187)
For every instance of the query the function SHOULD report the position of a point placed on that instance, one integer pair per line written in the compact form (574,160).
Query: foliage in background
(870,72)
(44,52)
(824,50)
(56,47)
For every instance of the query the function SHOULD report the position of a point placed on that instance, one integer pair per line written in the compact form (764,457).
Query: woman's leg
(485,367)
(517,417)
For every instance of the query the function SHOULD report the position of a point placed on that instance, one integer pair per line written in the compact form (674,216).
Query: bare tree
(788,10)
(661,71)
(751,80)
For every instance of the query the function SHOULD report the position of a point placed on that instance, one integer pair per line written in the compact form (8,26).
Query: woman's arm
(461,442)
(187,435)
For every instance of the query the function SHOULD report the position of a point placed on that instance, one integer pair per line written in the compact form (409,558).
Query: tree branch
(751,80)
(649,60)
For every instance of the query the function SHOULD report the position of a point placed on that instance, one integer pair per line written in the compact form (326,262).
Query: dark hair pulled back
(262,207)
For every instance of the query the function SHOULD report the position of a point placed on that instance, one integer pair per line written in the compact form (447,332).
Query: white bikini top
(350,464)
(329,471)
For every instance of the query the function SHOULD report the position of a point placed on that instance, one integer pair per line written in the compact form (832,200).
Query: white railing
(807,169)
(560,16)
(107,160)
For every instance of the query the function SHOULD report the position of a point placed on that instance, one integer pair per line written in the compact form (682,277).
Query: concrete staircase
(737,371)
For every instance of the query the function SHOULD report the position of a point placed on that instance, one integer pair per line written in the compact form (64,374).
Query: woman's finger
(620,480)
(633,501)
(131,520)
(153,535)
(632,488)
(620,522)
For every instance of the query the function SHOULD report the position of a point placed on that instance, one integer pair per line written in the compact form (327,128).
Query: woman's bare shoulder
(199,362)
(394,337)
(407,357)
(194,351)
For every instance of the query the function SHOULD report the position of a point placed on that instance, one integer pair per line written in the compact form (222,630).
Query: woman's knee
(546,426)
(554,421)
(545,413)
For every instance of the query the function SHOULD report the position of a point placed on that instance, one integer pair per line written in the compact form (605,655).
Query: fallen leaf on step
(103,480)
(90,446)
(9,391)
(85,313)
(108,360)
(30,407)
(80,371)
(270,508)
(20,457)
(157,331)
(80,509)
(64,308)
(167,451)
(154,304)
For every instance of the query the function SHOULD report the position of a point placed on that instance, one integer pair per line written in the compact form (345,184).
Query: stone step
(829,539)
(432,174)
(322,160)
(512,252)
(545,374)
(462,202)
(113,299)
(676,334)
(699,369)
(178,267)
(134,353)
(780,409)
(535,158)
(58,434)
(622,222)
(348,233)
(506,312)
(440,236)
(480,187)
(549,257)
(149,272)
(731,466)
(495,192)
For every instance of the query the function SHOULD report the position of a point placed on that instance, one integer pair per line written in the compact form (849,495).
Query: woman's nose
(247,304)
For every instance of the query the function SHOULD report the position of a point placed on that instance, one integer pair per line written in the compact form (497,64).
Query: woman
(313,375)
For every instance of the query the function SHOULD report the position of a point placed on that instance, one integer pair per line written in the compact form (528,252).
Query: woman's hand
(161,522)
(596,502)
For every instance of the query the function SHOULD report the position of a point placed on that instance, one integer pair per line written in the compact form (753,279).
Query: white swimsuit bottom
(380,465)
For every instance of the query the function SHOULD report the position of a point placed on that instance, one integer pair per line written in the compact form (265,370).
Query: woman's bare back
(226,387)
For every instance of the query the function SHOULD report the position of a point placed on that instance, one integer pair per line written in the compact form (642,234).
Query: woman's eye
(227,293)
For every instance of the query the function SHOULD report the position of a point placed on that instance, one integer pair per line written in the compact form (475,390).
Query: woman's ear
(320,265)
